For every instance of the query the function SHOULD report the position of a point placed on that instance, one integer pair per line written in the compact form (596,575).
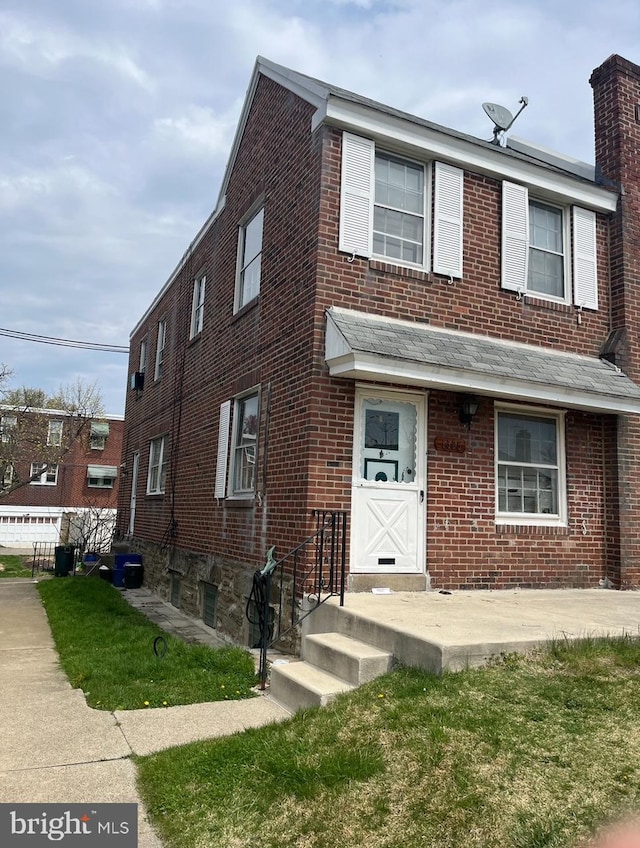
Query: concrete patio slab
(450,631)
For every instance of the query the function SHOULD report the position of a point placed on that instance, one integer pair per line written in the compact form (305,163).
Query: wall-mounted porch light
(468,408)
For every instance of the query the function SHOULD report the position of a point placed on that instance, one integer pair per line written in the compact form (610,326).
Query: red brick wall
(71,489)
(266,344)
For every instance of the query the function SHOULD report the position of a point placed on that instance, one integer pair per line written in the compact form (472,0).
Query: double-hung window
(384,208)
(245,434)
(249,259)
(530,485)
(43,475)
(142,362)
(98,435)
(8,425)
(398,211)
(157,466)
(54,433)
(197,307)
(548,250)
(160,346)
(239,424)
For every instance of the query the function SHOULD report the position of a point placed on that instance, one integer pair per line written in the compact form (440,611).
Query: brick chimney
(616,95)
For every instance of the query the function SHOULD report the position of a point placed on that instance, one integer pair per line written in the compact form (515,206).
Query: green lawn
(15,566)
(107,649)
(527,753)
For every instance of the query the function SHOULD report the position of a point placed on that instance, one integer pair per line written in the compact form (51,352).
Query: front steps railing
(287,590)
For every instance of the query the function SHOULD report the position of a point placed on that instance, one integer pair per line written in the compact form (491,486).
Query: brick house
(434,333)
(62,504)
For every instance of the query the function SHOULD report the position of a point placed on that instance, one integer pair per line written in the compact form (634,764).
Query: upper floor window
(142,362)
(44,475)
(54,433)
(384,206)
(249,259)
(157,466)
(398,214)
(197,308)
(530,467)
(548,251)
(8,424)
(160,346)
(98,436)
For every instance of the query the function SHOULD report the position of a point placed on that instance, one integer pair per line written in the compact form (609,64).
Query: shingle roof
(485,358)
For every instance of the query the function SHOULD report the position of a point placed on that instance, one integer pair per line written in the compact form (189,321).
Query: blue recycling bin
(121,561)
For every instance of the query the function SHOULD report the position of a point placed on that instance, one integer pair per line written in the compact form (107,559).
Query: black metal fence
(287,590)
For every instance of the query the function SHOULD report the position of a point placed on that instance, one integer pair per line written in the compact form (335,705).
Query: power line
(53,340)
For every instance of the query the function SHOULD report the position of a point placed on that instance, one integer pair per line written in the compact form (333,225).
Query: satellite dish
(502,117)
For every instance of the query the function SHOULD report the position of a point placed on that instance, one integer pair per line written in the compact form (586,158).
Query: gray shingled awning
(371,347)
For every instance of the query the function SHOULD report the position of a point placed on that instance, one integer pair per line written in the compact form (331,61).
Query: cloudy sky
(117,117)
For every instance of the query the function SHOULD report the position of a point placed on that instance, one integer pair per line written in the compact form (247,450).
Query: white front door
(134,488)
(389,473)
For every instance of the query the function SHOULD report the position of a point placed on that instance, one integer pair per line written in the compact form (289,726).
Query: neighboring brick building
(365,280)
(63,504)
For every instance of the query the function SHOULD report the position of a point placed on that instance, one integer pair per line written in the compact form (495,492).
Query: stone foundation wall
(233,581)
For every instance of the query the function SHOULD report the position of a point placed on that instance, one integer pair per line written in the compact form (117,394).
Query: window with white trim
(142,362)
(546,250)
(398,209)
(157,466)
(244,444)
(98,435)
(8,475)
(197,307)
(536,259)
(8,425)
(249,259)
(160,346)
(530,482)
(44,476)
(384,207)
(54,433)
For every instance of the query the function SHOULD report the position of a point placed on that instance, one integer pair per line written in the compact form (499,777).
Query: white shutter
(223,449)
(448,213)
(585,270)
(515,236)
(356,195)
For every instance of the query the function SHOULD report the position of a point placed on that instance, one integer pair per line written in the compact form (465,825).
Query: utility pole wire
(53,340)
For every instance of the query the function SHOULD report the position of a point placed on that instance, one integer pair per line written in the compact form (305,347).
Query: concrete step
(345,657)
(299,685)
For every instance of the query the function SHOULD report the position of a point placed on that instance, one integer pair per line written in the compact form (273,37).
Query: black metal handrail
(314,571)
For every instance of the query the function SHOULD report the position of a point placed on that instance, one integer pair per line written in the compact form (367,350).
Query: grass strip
(15,566)
(106,649)
(530,752)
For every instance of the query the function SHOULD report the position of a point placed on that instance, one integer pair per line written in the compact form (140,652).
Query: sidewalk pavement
(56,749)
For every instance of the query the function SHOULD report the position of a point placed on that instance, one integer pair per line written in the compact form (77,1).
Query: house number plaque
(449,445)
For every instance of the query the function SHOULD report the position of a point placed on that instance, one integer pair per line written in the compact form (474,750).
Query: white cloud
(38,49)
(198,129)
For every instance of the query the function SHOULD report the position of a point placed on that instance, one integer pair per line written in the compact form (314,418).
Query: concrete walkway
(57,749)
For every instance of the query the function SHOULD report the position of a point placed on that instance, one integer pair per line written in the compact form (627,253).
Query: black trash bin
(64,557)
(105,573)
(133,574)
